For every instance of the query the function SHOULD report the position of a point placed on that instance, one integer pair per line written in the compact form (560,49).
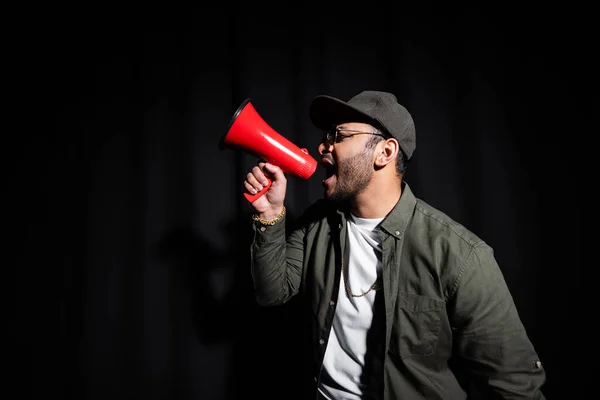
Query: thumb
(274,170)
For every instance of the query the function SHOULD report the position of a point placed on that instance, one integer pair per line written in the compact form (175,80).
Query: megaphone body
(250,133)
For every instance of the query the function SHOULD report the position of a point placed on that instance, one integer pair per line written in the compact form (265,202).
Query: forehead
(356,126)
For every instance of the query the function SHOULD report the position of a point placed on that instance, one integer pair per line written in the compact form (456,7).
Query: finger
(274,171)
(250,188)
(259,174)
(253,182)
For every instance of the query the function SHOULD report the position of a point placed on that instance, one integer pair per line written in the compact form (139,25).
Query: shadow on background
(218,298)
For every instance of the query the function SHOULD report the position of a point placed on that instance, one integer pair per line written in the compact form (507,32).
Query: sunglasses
(336,135)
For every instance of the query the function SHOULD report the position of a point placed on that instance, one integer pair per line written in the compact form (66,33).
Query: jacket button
(331,302)
(321,342)
(397,233)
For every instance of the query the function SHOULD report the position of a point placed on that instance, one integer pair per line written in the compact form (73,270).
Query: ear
(386,153)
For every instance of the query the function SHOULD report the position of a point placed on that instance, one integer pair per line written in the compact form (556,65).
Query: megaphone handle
(252,197)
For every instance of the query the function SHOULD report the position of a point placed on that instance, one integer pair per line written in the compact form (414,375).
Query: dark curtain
(145,215)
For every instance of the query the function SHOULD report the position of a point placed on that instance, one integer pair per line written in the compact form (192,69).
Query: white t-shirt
(347,345)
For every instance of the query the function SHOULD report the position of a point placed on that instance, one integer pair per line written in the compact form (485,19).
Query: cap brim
(326,111)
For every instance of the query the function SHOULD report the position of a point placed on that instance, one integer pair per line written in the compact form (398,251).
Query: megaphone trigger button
(304,151)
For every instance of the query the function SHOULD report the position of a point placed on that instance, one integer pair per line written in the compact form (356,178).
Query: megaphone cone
(250,133)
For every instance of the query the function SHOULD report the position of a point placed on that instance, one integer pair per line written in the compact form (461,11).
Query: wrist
(270,214)
(270,217)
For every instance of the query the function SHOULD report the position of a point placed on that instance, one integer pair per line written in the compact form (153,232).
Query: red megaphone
(249,132)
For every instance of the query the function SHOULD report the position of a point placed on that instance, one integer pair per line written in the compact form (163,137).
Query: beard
(353,176)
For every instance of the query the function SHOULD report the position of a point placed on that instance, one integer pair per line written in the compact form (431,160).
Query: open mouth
(330,169)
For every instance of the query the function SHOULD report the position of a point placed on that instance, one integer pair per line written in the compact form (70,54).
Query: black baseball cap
(380,109)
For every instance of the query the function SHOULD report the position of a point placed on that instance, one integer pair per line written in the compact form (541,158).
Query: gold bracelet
(269,221)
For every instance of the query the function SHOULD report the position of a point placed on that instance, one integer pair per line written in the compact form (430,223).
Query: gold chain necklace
(373,286)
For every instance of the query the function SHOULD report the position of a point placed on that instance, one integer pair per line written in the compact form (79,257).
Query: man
(402,301)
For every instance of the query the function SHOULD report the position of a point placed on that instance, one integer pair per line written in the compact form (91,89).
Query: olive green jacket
(450,320)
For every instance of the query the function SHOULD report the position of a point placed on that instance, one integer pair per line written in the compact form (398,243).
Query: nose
(324,148)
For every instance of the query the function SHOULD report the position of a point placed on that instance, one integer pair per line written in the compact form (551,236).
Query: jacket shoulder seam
(445,223)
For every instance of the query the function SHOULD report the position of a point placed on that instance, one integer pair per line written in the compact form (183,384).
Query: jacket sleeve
(489,335)
(276,262)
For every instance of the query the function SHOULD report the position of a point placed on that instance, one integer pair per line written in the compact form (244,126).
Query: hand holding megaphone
(249,132)
(262,179)
(266,185)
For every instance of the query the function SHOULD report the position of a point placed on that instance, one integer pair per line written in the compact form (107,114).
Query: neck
(378,199)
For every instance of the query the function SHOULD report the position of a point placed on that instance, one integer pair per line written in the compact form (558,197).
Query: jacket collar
(397,220)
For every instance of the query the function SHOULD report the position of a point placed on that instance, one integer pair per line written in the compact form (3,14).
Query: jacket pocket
(416,326)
